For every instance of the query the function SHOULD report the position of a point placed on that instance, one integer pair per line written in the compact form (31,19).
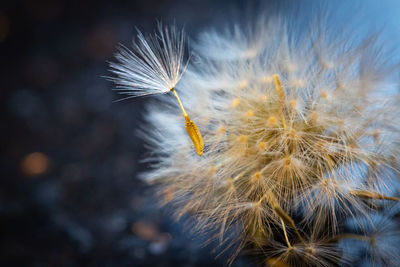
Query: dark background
(69,192)
(69,195)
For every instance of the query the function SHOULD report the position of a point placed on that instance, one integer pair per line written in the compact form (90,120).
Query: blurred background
(69,192)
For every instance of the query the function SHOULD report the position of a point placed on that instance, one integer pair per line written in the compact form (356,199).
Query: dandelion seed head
(287,134)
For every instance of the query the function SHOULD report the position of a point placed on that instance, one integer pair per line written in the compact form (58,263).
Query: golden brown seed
(274,262)
(213,170)
(242,139)
(371,195)
(272,120)
(195,135)
(249,113)
(262,145)
(221,130)
(235,102)
(293,104)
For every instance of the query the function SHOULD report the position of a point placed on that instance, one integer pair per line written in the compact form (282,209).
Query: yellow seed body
(242,138)
(262,145)
(293,104)
(257,175)
(221,130)
(274,262)
(249,113)
(235,102)
(272,120)
(371,195)
(195,135)
(191,128)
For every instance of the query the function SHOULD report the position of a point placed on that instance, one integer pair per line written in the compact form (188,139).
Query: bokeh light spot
(35,164)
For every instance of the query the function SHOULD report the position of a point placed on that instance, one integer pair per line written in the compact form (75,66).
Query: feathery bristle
(153,66)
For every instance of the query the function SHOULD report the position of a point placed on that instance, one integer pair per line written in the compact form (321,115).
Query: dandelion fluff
(153,66)
(297,136)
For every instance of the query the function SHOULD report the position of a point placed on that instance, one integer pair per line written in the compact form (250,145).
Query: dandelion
(155,66)
(298,139)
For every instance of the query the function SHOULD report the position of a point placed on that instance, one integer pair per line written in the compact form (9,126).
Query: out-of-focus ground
(69,193)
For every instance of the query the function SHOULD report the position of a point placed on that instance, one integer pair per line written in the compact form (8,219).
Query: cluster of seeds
(297,141)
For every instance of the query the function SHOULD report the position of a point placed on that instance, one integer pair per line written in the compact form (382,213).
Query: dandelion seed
(155,66)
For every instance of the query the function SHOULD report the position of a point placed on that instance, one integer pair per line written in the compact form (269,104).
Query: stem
(371,195)
(351,236)
(180,103)
(286,218)
(285,233)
